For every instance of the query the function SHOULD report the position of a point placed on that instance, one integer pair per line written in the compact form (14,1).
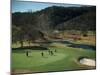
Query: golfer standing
(42,54)
(27,53)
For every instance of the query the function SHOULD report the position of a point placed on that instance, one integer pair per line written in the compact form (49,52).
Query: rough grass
(90,40)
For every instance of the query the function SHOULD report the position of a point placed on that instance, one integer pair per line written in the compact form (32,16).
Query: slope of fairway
(20,60)
(64,59)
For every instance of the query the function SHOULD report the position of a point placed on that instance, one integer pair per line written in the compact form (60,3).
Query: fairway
(65,58)
(35,58)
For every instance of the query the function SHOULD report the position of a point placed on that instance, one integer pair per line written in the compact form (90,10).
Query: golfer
(27,53)
(42,54)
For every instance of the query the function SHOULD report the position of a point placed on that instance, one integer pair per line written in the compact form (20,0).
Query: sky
(24,6)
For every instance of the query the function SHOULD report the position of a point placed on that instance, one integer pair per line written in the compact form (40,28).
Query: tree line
(29,26)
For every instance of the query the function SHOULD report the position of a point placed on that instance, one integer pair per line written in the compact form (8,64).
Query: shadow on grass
(63,42)
(81,57)
(83,46)
(31,48)
(23,49)
(29,56)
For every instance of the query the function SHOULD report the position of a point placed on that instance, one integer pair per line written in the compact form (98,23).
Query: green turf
(64,59)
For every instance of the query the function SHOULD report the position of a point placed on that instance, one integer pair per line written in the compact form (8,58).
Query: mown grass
(65,58)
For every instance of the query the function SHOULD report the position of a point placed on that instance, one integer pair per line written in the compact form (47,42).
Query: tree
(84,32)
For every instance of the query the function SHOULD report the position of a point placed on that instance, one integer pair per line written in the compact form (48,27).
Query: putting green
(35,59)
(64,59)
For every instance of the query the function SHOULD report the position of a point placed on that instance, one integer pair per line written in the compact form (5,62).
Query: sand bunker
(88,62)
(59,45)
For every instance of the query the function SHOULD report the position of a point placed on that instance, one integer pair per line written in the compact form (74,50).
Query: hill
(86,21)
(51,17)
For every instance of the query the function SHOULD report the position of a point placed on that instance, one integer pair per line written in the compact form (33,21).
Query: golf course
(65,58)
(49,37)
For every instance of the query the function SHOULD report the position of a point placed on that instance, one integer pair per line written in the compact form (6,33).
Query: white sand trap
(88,62)
(59,45)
